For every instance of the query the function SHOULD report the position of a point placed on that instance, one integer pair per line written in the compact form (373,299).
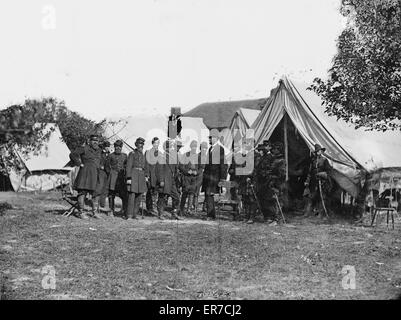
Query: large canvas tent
(352,152)
(130,128)
(44,169)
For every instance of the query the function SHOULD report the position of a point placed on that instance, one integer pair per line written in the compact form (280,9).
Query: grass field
(111,258)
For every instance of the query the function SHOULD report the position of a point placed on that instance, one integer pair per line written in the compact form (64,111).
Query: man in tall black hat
(215,171)
(137,175)
(115,168)
(318,183)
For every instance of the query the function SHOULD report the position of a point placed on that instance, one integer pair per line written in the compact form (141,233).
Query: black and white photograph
(199,154)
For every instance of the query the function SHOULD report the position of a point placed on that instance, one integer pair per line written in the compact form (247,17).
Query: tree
(75,129)
(23,125)
(19,126)
(364,82)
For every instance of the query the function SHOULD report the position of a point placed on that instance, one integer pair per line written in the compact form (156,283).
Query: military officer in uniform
(318,183)
(152,156)
(241,172)
(101,189)
(115,167)
(202,160)
(178,180)
(262,176)
(166,172)
(137,175)
(88,159)
(190,169)
(277,182)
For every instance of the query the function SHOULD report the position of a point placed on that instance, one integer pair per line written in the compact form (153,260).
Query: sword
(257,200)
(279,206)
(142,206)
(321,197)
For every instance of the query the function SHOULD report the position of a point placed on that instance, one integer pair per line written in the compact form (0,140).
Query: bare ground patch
(111,258)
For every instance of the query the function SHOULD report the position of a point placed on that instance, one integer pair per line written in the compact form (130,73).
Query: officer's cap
(261,147)
(140,141)
(118,143)
(94,137)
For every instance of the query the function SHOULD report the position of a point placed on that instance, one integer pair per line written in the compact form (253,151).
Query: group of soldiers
(159,175)
(260,187)
(259,175)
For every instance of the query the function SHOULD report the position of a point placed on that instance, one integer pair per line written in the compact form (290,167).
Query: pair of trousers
(175,196)
(81,200)
(161,203)
(123,196)
(250,209)
(184,197)
(134,200)
(210,207)
(151,199)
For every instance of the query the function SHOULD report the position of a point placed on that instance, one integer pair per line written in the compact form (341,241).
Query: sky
(106,58)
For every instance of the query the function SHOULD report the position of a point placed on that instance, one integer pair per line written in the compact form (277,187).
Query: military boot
(95,209)
(196,204)
(308,208)
(81,207)
(110,213)
(154,210)
(190,202)
(182,204)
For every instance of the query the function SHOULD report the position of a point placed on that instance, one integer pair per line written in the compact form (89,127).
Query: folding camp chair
(72,200)
(390,211)
(226,198)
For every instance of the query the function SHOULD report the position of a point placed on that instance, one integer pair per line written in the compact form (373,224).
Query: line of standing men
(158,174)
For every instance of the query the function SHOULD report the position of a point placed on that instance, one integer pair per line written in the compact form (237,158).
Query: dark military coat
(101,187)
(202,160)
(152,157)
(239,173)
(263,171)
(318,165)
(115,168)
(137,170)
(166,171)
(190,168)
(87,178)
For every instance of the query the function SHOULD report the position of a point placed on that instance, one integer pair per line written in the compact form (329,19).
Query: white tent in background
(350,151)
(241,122)
(130,128)
(44,169)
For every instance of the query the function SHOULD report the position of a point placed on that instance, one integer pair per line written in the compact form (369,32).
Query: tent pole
(285,196)
(286,147)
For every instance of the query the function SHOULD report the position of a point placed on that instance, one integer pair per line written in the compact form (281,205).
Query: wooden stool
(388,212)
